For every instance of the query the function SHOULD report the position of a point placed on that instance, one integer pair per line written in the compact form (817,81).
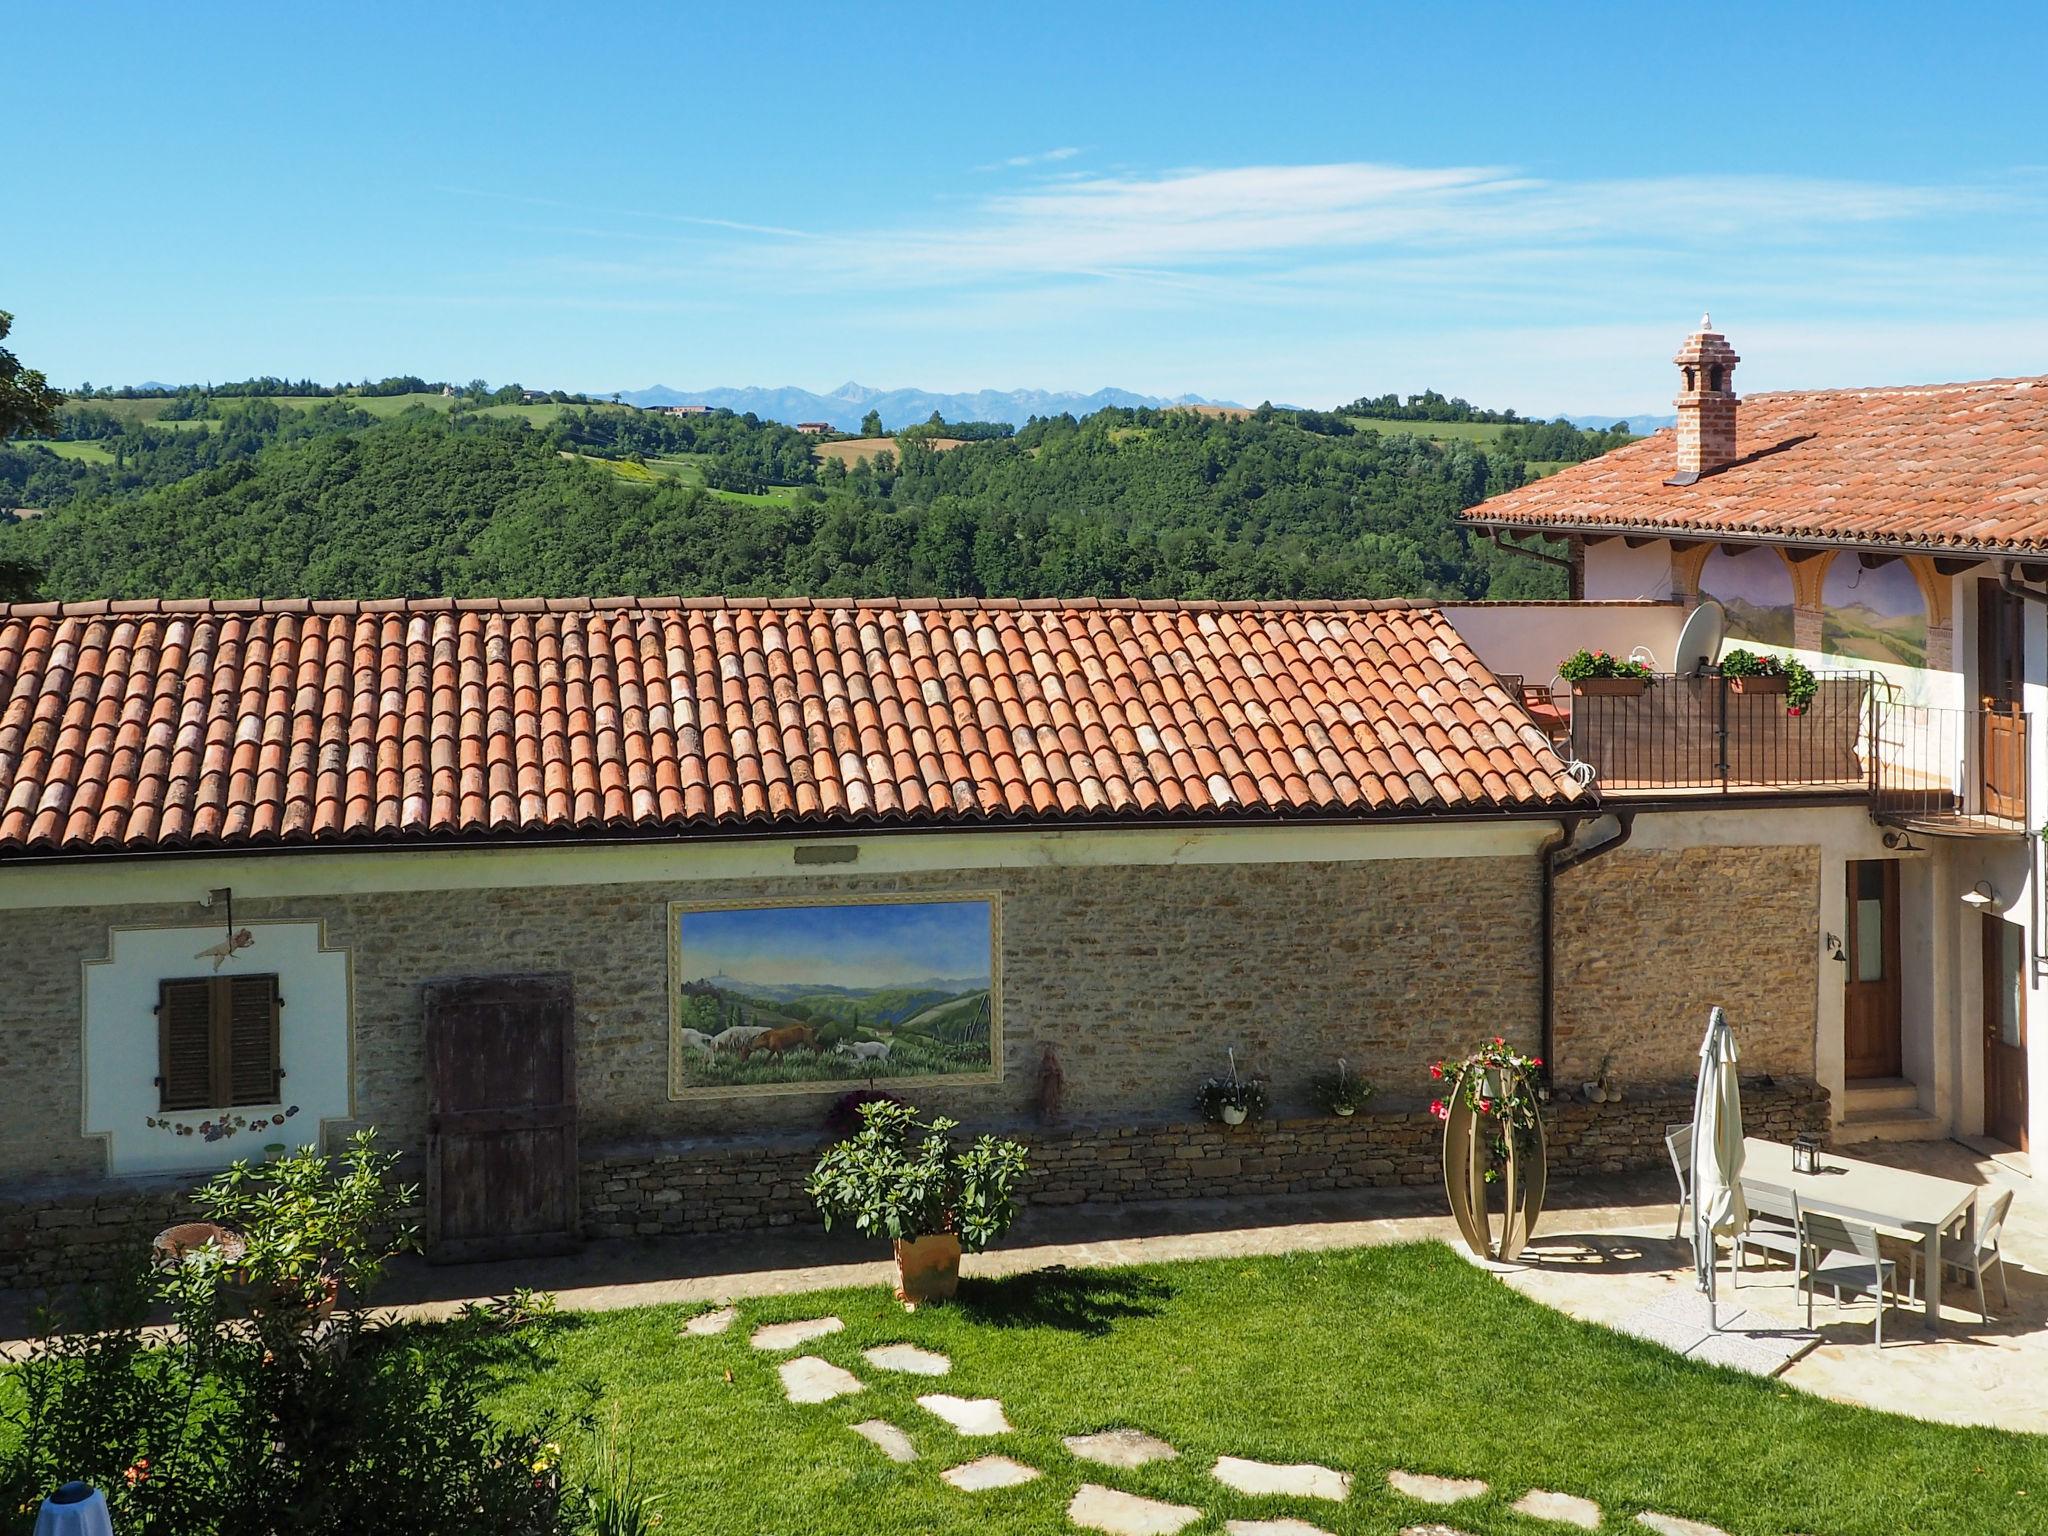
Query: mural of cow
(738,1038)
(694,1039)
(776,1041)
(865,1050)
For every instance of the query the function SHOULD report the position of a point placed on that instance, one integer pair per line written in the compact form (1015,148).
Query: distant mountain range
(845,406)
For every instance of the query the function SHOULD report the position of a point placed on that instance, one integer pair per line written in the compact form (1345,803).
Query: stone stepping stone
(1303,1480)
(789,1335)
(1674,1525)
(1120,1448)
(1435,1490)
(886,1438)
(1272,1528)
(715,1321)
(967,1415)
(1559,1508)
(807,1379)
(1431,1530)
(909,1359)
(989,1472)
(1096,1508)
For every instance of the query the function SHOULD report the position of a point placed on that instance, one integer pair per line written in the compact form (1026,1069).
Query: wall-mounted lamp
(1981,896)
(1834,949)
(1902,842)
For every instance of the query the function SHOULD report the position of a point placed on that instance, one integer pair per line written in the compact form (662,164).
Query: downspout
(1558,855)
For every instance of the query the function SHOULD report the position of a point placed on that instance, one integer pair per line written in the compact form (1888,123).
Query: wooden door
(501,1127)
(1870,1010)
(2005,1031)
(2001,676)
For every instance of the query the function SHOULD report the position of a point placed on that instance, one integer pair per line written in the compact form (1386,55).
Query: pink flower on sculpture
(1436,1107)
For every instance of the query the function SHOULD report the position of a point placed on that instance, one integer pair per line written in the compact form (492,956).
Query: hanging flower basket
(1775,682)
(1610,687)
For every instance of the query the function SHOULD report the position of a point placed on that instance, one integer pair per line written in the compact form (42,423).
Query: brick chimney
(1706,404)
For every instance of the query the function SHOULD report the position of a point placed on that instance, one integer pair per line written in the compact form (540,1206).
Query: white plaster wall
(120,1093)
(1616,572)
(1531,638)
(172,879)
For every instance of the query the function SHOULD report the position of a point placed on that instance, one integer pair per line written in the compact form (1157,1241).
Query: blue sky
(858,944)
(1526,204)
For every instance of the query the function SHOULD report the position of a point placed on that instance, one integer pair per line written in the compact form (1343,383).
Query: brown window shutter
(184,1036)
(252,1053)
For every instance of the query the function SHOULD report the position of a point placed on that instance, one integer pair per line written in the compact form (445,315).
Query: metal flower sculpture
(1493,1135)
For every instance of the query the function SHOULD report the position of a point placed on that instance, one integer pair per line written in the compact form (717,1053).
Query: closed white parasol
(1717,1204)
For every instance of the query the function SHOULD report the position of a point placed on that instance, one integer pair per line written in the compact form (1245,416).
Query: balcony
(1947,772)
(1951,772)
(1716,736)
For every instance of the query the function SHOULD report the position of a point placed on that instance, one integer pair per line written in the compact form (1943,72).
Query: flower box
(1762,683)
(1611,687)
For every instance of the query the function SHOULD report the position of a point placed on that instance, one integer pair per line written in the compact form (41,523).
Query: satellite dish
(1699,640)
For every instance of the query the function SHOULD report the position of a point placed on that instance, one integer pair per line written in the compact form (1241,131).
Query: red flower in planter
(1436,1070)
(1436,1107)
(1486,1106)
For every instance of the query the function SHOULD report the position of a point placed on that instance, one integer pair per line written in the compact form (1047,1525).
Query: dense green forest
(239,494)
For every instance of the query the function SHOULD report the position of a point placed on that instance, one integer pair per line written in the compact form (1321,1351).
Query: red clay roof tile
(1939,466)
(135,726)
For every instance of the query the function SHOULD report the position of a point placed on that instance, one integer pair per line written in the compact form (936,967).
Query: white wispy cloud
(1024,162)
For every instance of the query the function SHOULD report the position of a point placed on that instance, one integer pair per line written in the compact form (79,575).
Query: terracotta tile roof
(1944,466)
(134,726)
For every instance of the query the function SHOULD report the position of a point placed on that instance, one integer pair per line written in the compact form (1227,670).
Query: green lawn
(1362,1360)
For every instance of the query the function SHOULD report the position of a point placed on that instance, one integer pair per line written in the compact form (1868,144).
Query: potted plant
(1342,1092)
(1598,672)
(903,1179)
(1233,1099)
(1767,673)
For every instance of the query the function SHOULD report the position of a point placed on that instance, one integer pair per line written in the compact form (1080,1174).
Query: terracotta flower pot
(927,1269)
(1611,687)
(1773,683)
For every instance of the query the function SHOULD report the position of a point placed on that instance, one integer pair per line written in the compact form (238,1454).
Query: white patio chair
(1839,1250)
(1678,1139)
(1973,1254)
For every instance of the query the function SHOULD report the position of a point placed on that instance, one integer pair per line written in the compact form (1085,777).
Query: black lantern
(1805,1155)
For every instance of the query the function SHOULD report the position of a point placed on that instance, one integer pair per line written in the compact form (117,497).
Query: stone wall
(698,1187)
(84,1231)
(1648,940)
(1138,976)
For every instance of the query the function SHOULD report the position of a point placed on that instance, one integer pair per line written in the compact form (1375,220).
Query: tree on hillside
(871,424)
(28,407)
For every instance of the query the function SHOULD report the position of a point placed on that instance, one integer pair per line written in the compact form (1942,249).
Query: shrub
(843,1118)
(256,1410)
(903,1179)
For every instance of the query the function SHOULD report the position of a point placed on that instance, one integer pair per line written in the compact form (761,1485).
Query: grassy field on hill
(1482,432)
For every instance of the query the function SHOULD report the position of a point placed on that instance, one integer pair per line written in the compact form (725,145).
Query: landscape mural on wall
(1755,587)
(770,996)
(1873,615)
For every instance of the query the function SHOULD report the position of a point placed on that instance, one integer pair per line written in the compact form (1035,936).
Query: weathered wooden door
(2005,1031)
(2002,733)
(1870,1002)
(501,1127)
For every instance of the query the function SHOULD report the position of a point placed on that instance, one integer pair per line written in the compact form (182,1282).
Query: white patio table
(1918,1206)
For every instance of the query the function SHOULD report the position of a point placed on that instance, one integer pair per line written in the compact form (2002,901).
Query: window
(217,1042)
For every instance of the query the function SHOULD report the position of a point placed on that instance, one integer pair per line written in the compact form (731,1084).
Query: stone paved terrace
(1603,1251)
